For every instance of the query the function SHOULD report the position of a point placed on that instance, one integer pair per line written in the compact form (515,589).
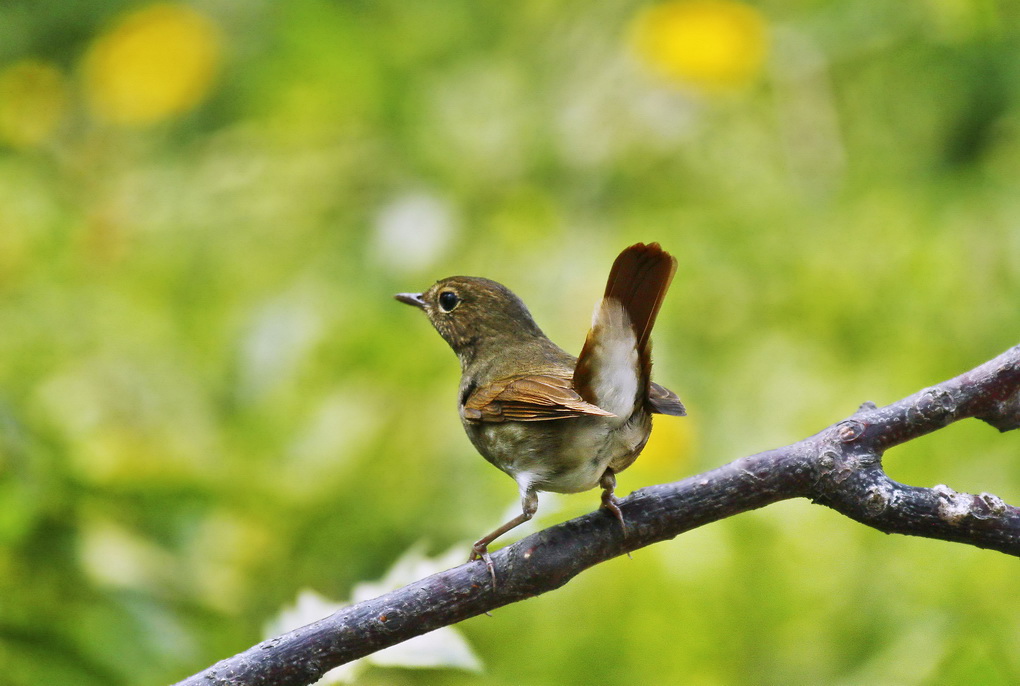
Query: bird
(552,421)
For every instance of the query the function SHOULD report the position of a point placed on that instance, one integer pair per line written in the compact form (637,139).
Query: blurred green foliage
(209,401)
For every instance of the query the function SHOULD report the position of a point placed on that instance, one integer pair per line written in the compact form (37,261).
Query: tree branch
(840,467)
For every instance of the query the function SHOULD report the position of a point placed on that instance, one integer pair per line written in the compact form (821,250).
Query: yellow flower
(710,44)
(33,98)
(152,64)
(667,453)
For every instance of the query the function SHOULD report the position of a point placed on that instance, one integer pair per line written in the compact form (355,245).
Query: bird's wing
(665,401)
(531,398)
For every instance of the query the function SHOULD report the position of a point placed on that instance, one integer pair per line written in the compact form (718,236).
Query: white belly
(563,456)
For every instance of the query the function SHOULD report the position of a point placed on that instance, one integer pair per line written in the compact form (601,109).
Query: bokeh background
(209,401)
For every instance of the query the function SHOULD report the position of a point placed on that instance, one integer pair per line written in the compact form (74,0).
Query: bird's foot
(480,551)
(609,500)
(611,503)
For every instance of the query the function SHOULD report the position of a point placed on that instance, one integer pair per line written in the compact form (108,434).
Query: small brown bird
(551,421)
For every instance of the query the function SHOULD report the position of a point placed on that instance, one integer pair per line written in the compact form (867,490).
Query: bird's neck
(494,357)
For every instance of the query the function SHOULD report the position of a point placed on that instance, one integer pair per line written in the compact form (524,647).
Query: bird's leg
(609,501)
(480,550)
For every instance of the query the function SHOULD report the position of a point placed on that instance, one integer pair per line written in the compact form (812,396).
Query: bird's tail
(614,367)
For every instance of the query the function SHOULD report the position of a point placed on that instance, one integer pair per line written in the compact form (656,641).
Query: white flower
(444,647)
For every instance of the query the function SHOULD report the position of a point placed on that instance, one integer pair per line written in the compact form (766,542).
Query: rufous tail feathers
(639,280)
(637,284)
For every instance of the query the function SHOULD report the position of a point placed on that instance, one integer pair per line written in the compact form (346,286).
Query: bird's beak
(411,299)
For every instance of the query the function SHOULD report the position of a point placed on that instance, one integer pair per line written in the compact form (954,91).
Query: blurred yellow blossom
(711,44)
(33,99)
(667,454)
(152,64)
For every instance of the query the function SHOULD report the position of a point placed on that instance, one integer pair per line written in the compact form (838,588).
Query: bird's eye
(448,300)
